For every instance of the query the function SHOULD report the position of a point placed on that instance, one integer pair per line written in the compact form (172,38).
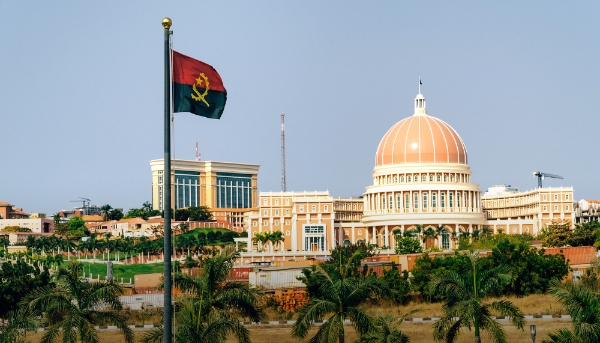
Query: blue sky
(81,91)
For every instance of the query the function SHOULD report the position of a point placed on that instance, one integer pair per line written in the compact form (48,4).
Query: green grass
(125,271)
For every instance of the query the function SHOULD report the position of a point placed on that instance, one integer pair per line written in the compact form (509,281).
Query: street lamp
(532,329)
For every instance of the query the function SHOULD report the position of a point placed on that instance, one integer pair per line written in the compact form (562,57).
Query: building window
(287,222)
(567,208)
(314,237)
(555,196)
(287,233)
(445,240)
(391,202)
(287,201)
(265,223)
(277,222)
(313,208)
(439,178)
(430,178)
(187,189)
(383,202)
(555,207)
(266,212)
(443,198)
(254,223)
(433,200)
(425,200)
(457,199)
(301,208)
(406,201)
(408,178)
(545,208)
(398,202)
(402,178)
(424,178)
(450,199)
(514,230)
(445,178)
(545,197)
(359,231)
(265,202)
(566,196)
(416,178)
(276,212)
(416,200)
(395,179)
(287,212)
(326,208)
(276,201)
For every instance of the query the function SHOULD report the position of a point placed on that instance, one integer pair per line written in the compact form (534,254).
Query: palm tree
(211,310)
(341,296)
(386,330)
(56,217)
(429,236)
(18,323)
(74,307)
(464,306)
(486,231)
(277,238)
(583,304)
(259,239)
(105,211)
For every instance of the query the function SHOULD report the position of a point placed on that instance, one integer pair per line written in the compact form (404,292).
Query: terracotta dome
(421,139)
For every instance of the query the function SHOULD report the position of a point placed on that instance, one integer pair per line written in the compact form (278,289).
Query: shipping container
(276,278)
(240,273)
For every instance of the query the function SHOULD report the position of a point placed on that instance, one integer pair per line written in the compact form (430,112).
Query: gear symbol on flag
(201,96)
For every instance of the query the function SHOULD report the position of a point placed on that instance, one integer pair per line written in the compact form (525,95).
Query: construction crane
(85,202)
(542,176)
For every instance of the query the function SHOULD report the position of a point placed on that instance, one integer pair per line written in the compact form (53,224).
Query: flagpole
(167,320)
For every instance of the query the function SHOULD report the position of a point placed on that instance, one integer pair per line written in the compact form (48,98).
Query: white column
(294,233)
(387,238)
(374,237)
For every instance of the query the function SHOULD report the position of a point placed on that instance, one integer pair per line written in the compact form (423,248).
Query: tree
(56,217)
(74,307)
(338,291)
(105,211)
(18,279)
(386,330)
(211,310)
(201,213)
(583,304)
(14,228)
(408,245)
(397,283)
(116,214)
(147,206)
(19,322)
(76,227)
(181,214)
(555,234)
(464,294)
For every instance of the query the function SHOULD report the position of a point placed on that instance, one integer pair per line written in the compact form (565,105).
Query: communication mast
(197,153)
(283,185)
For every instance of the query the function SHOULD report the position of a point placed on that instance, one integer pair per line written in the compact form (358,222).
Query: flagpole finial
(166,23)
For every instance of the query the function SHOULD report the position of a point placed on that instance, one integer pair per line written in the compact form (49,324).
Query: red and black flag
(197,87)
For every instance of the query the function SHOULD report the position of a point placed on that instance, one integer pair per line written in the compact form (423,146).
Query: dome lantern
(420,107)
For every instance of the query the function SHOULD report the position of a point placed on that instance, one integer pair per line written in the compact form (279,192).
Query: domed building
(422,181)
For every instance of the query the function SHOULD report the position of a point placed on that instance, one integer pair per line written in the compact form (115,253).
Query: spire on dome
(420,108)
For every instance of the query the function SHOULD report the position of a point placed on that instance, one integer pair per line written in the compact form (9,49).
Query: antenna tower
(283,185)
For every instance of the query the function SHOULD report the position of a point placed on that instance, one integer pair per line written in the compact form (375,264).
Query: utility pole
(283,183)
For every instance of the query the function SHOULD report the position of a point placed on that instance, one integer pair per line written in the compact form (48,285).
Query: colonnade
(416,201)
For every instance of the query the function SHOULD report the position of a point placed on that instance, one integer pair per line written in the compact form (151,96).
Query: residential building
(8,211)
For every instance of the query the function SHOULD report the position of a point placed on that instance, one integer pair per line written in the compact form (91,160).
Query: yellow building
(306,220)
(228,189)
(511,211)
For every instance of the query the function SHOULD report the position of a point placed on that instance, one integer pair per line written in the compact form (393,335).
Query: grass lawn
(125,271)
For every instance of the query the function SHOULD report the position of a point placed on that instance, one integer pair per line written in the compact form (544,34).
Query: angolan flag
(197,87)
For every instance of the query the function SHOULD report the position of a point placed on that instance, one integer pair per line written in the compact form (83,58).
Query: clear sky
(81,91)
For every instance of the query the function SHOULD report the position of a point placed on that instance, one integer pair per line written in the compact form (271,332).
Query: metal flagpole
(167,321)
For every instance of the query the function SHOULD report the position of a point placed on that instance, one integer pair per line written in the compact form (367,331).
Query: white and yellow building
(511,211)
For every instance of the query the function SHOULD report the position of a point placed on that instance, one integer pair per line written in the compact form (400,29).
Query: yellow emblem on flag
(200,96)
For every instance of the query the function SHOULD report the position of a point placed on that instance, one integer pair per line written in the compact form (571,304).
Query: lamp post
(532,329)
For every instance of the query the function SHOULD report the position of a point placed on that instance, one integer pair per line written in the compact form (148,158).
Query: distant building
(511,211)
(228,189)
(587,210)
(8,211)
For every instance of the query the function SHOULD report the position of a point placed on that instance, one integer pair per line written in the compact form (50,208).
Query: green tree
(532,270)
(76,227)
(408,245)
(18,324)
(337,292)
(56,217)
(465,293)
(105,211)
(583,304)
(397,283)
(211,310)
(555,234)
(18,278)
(201,213)
(386,330)
(116,214)
(74,307)
(181,214)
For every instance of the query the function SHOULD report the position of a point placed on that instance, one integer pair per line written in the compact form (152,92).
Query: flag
(197,87)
